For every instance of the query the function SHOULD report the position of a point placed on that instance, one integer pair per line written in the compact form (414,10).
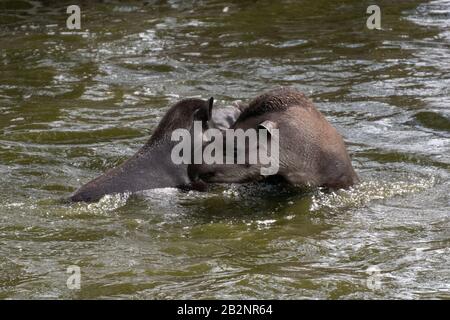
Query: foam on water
(105,206)
(367,191)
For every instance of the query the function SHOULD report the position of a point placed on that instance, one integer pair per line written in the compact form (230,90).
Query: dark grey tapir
(152,166)
(311,152)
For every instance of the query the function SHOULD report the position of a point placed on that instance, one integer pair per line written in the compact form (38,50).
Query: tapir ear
(210,106)
(268,125)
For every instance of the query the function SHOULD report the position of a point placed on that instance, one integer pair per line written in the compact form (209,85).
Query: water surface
(73,105)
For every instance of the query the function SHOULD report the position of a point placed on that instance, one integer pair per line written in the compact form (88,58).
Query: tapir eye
(200,115)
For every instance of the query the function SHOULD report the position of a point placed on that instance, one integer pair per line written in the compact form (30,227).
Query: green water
(74,105)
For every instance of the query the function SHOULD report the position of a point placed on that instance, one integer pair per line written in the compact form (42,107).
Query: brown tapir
(311,151)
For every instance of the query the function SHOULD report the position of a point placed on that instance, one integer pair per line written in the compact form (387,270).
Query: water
(74,105)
